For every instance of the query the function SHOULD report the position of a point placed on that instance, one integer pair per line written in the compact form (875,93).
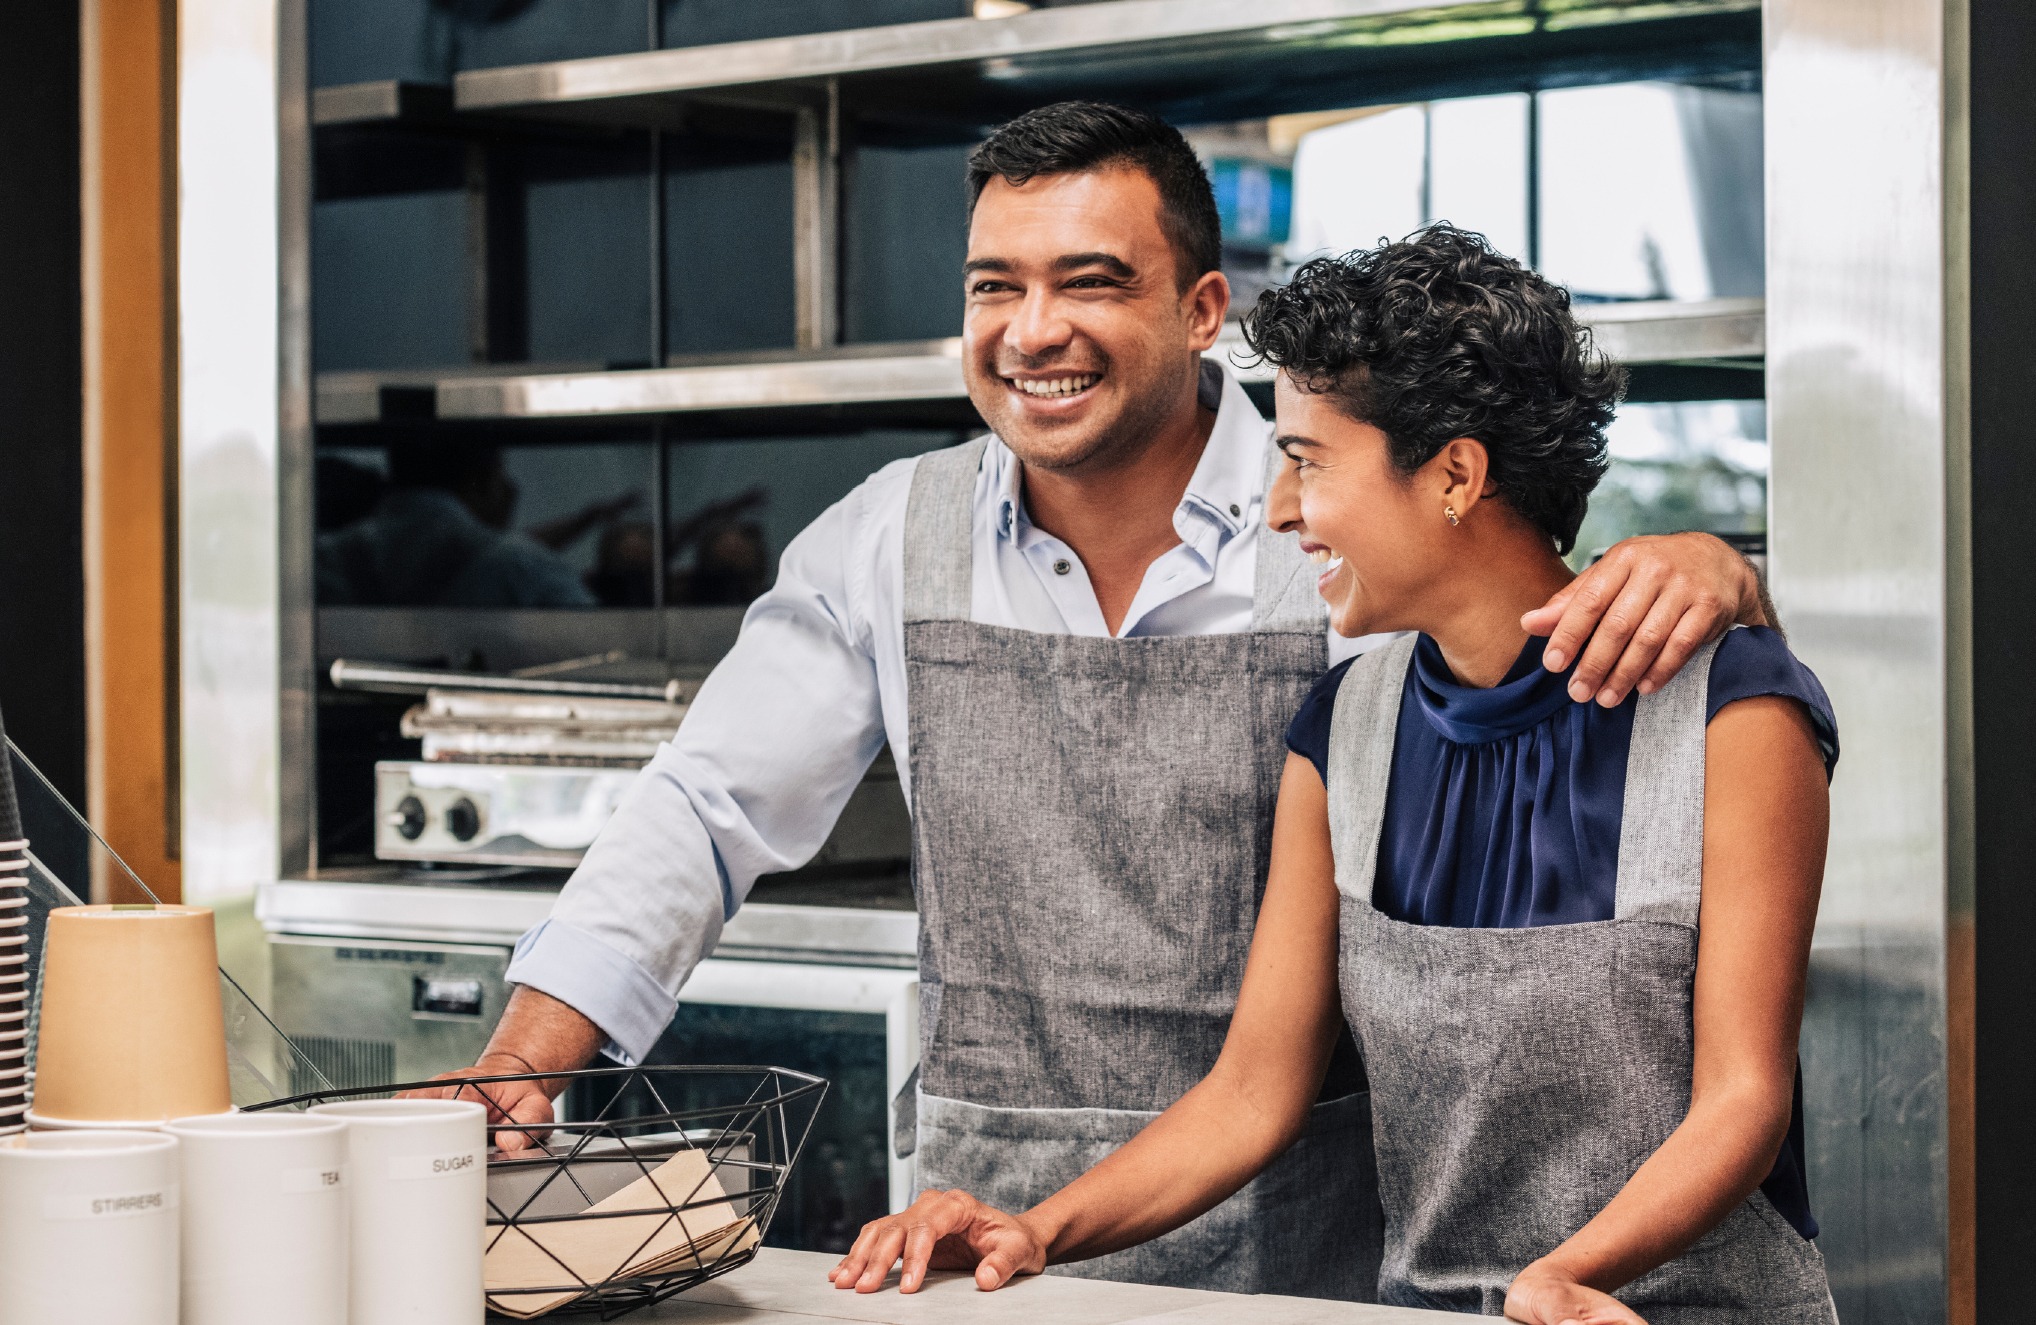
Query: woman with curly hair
(1570,938)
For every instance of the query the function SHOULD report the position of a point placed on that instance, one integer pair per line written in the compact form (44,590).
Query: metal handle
(386,679)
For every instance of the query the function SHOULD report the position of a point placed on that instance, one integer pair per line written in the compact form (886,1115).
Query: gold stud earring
(1450,511)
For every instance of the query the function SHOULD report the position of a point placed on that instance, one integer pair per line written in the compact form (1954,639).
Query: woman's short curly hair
(1438,337)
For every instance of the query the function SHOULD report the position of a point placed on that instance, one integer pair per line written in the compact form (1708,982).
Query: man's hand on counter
(942,1231)
(537,1034)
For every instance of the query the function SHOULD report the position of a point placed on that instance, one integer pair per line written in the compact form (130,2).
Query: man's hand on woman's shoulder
(1643,610)
(941,1231)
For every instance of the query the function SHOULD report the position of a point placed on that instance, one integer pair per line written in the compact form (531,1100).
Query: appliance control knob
(408,818)
(462,820)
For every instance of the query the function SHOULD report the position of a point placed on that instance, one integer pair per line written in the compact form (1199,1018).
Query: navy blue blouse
(1504,805)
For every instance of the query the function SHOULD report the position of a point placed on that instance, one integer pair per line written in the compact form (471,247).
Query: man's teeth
(1056,386)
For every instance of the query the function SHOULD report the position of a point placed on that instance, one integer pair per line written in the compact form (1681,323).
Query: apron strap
(939,542)
(1362,732)
(1661,833)
(1284,600)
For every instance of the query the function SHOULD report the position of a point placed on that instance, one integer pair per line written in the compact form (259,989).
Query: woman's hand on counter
(520,1104)
(1545,1295)
(942,1231)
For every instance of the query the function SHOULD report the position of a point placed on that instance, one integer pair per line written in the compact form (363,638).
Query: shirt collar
(1224,491)
(1526,697)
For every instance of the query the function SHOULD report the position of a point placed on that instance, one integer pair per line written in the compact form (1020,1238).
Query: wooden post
(128,175)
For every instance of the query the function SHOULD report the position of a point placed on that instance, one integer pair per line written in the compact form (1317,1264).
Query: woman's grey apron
(1091,824)
(1520,1076)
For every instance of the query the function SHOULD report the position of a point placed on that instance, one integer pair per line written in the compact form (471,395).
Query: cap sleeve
(1308,733)
(1754,661)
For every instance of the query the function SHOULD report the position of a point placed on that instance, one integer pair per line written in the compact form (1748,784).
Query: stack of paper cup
(13,980)
(13,951)
(88,1228)
(264,1218)
(417,1191)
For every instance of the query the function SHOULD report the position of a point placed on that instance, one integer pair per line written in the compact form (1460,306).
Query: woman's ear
(1463,468)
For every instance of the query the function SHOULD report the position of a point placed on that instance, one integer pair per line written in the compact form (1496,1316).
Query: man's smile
(1061,386)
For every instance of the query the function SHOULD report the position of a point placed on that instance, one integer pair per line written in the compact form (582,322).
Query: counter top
(791,1288)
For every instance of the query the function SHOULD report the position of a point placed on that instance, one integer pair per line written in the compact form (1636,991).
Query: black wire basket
(671,1181)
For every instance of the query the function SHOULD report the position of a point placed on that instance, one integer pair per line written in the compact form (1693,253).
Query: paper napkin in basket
(545,1255)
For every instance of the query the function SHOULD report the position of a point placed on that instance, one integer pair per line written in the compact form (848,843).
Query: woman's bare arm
(1249,1109)
(1766,819)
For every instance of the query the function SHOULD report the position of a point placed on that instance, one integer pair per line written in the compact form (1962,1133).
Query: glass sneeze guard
(261,1060)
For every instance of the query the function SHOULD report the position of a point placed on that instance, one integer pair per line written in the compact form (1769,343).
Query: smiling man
(1083,645)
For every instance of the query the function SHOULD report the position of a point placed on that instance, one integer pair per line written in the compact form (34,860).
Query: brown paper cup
(131,1031)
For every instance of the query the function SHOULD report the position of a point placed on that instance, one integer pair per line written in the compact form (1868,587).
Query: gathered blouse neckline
(1528,696)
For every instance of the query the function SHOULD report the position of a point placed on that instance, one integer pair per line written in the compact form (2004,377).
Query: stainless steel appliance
(517,770)
(492,814)
(524,770)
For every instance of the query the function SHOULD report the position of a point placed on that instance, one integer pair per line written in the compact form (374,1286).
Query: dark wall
(2004,641)
(42,581)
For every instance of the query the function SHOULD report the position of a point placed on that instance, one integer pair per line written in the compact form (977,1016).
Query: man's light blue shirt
(790,720)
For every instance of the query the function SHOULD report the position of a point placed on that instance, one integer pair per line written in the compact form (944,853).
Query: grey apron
(1091,824)
(1520,1076)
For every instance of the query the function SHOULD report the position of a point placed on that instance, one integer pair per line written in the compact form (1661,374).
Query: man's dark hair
(1438,337)
(1073,136)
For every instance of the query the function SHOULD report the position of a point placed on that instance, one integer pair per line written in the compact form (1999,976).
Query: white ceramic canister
(264,1219)
(88,1228)
(417,1190)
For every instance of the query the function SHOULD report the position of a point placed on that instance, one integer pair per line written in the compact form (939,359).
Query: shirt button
(1061,567)
(1235,509)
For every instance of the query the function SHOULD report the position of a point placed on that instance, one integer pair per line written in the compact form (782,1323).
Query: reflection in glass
(462,523)
(468,524)
(1687,465)
(735,505)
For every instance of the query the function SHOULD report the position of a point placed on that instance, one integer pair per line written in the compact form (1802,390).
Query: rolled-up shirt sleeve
(771,748)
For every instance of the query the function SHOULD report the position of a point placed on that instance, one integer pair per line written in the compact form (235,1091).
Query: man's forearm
(542,1034)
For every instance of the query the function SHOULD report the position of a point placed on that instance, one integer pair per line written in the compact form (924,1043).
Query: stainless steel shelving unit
(1195,61)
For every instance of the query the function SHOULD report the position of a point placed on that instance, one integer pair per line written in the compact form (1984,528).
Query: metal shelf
(1709,331)
(919,372)
(384,102)
(1717,332)
(1205,59)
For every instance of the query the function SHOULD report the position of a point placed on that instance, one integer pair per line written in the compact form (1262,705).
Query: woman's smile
(1326,557)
